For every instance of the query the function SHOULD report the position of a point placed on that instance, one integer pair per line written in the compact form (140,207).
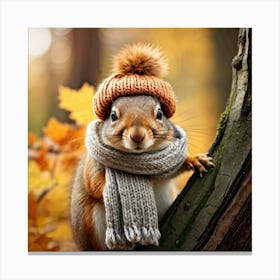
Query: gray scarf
(130,207)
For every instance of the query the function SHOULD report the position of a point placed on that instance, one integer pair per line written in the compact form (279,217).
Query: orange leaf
(78,102)
(32,206)
(68,136)
(40,157)
(75,140)
(31,138)
(56,130)
(69,161)
(41,243)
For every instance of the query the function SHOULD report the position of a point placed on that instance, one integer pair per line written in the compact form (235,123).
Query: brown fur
(141,59)
(88,224)
(94,178)
(137,117)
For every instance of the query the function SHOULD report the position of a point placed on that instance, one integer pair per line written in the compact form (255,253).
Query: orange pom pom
(141,59)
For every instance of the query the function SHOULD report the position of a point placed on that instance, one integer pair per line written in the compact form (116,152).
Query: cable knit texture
(131,213)
(138,70)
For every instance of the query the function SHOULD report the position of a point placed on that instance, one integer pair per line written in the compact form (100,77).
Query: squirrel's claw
(199,162)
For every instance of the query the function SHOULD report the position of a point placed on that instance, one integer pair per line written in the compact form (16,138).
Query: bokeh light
(40,40)
(60,52)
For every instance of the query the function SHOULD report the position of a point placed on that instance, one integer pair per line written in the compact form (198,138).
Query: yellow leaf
(62,232)
(78,102)
(62,235)
(38,181)
(57,202)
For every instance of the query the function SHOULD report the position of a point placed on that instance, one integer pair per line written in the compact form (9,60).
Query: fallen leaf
(40,157)
(42,243)
(57,131)
(38,181)
(32,206)
(31,138)
(69,137)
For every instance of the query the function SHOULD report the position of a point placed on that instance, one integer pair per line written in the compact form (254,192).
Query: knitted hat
(137,69)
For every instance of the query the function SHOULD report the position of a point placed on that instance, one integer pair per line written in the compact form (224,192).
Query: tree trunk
(213,213)
(86,53)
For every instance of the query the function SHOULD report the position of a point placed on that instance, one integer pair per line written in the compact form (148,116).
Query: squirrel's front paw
(199,162)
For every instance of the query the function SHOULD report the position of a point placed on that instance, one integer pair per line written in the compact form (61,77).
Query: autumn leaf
(56,201)
(68,136)
(63,236)
(32,206)
(40,157)
(38,181)
(41,243)
(69,161)
(57,131)
(76,139)
(78,102)
(31,138)
(62,232)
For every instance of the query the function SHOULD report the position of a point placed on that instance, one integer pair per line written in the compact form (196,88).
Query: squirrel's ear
(141,59)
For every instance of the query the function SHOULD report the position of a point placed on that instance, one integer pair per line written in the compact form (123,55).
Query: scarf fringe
(114,239)
(144,236)
(133,235)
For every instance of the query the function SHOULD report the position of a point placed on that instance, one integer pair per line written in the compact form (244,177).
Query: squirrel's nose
(137,135)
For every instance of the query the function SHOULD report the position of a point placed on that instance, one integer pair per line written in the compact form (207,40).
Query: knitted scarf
(131,213)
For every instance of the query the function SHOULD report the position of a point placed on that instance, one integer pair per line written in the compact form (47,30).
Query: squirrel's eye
(159,114)
(114,116)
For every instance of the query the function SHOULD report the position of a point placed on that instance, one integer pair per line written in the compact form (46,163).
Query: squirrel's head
(137,124)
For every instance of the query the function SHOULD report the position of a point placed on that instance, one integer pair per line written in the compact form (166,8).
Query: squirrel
(135,121)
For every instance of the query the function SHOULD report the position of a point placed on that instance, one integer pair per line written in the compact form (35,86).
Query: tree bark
(86,53)
(213,213)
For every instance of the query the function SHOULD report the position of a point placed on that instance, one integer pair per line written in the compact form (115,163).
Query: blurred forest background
(66,64)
